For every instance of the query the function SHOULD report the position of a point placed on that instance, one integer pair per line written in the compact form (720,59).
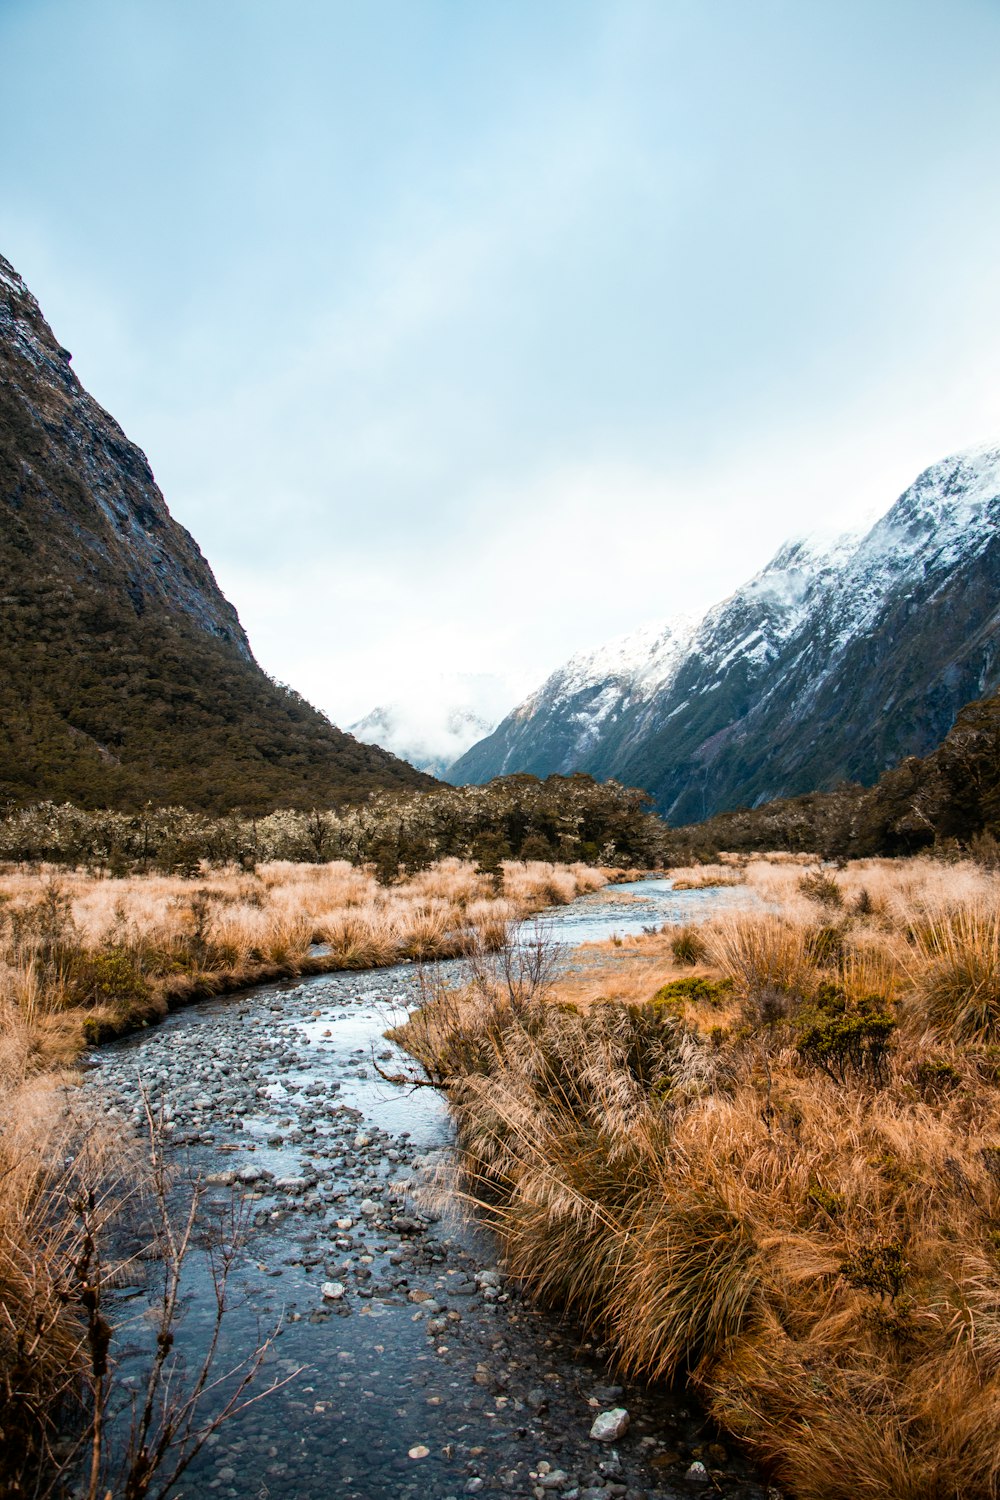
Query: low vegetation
(766,1153)
(565,818)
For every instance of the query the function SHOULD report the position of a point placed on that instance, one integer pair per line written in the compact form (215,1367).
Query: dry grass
(784,1180)
(82,956)
(55,1157)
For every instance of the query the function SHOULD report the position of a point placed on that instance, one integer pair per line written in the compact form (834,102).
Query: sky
(466,334)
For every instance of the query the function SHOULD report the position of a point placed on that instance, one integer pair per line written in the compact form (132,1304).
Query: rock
(250,1174)
(609,1426)
(291,1184)
(404,1224)
(419,1450)
(697,1473)
(333,1291)
(555,1479)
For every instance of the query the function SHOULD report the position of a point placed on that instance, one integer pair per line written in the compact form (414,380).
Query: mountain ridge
(125,674)
(899,622)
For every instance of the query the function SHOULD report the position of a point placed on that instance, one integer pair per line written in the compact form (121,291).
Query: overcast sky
(464,334)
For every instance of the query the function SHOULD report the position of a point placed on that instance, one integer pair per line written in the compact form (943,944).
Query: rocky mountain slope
(833,663)
(125,676)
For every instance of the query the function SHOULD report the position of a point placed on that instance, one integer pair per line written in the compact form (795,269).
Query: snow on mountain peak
(641,660)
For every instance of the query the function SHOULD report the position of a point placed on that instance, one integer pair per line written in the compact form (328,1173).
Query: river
(429,1375)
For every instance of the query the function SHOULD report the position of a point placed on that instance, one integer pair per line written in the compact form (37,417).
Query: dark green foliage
(672,996)
(880,1268)
(508,819)
(830,1203)
(934,1077)
(844,1039)
(108,976)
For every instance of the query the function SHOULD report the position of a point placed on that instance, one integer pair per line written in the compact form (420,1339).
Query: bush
(842,1039)
(821,888)
(688,946)
(673,996)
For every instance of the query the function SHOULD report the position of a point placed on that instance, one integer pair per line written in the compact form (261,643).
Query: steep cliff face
(125,675)
(76,489)
(833,663)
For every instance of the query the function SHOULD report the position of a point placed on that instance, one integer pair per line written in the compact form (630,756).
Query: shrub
(673,996)
(108,977)
(934,1077)
(821,888)
(843,1040)
(688,946)
(878,1268)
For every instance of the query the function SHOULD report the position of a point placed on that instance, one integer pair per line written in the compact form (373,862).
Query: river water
(429,1375)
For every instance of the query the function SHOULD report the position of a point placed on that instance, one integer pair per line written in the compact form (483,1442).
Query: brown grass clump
(956,971)
(54,1159)
(705,877)
(780,1173)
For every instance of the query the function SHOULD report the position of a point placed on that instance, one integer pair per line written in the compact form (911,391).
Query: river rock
(333,1291)
(609,1426)
(697,1473)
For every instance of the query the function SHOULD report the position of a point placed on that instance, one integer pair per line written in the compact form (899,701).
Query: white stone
(609,1426)
(333,1291)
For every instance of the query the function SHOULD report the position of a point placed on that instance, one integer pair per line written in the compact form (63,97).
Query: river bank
(763,1151)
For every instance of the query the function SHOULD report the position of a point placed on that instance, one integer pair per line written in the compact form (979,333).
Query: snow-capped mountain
(835,661)
(439,721)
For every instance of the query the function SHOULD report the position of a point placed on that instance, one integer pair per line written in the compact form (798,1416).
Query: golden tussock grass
(777,1170)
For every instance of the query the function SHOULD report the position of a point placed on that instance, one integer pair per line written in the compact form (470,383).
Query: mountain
(434,726)
(833,663)
(125,676)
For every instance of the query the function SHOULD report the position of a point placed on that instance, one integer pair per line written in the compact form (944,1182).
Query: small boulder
(611,1425)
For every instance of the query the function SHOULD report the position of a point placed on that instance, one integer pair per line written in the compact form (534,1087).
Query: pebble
(610,1425)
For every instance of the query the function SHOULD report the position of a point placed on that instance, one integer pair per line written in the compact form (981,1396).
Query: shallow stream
(427,1375)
